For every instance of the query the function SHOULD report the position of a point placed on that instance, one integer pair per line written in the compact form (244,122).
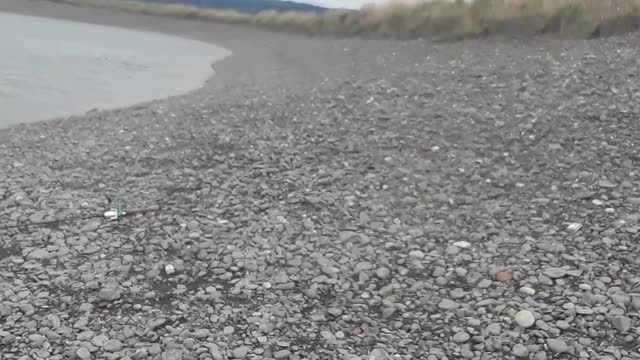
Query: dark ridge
(247,6)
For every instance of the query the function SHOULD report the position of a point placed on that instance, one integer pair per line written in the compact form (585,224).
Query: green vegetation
(439,18)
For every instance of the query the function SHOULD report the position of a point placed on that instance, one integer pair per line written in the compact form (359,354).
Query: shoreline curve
(187,84)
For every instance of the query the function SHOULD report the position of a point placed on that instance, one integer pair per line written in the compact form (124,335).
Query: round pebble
(461,337)
(524,318)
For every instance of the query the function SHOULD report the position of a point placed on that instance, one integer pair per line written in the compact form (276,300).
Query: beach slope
(335,199)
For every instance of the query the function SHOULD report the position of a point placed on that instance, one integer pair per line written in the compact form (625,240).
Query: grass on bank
(437,18)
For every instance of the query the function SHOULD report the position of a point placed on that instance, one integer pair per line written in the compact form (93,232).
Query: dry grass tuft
(438,18)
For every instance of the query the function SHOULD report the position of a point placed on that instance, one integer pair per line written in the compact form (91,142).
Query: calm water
(51,68)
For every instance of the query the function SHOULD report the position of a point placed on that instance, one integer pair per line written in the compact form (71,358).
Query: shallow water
(51,68)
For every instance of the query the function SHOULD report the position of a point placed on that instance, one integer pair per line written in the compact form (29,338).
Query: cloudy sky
(354,4)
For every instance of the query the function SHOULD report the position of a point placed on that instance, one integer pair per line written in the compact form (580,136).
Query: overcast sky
(354,4)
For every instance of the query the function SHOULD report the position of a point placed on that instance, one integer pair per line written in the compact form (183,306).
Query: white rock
(527,291)
(585,287)
(462,244)
(524,318)
(573,227)
(169,269)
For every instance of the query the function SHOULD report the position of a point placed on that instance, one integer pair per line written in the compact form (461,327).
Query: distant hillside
(246,6)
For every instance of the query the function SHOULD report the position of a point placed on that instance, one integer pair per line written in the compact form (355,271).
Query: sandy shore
(335,199)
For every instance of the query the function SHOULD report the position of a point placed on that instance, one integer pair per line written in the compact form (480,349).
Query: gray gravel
(337,199)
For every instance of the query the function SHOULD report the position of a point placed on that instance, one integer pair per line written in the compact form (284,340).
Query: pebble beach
(334,199)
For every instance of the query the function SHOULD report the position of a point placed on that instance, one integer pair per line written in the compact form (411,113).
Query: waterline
(53,68)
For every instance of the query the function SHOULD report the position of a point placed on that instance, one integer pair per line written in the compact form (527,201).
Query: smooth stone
(38,254)
(383,273)
(557,345)
(583,310)
(83,353)
(520,350)
(461,337)
(446,304)
(240,352)
(554,272)
(112,345)
(621,323)
(524,318)
(37,340)
(462,244)
(493,329)
(282,354)
(99,340)
(527,291)
(109,293)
